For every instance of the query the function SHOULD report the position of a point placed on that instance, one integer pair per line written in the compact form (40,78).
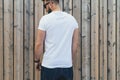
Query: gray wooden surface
(98,55)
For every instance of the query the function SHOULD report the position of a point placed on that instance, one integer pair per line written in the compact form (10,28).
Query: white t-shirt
(59,27)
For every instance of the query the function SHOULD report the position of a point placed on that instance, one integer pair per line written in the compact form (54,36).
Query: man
(59,31)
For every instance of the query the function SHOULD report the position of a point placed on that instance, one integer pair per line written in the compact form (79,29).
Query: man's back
(59,27)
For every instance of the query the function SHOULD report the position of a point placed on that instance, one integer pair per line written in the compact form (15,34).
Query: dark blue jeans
(56,73)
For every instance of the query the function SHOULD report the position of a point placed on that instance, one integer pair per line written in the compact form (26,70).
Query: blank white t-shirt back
(59,27)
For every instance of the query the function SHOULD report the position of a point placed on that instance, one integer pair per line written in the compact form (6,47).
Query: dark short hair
(56,1)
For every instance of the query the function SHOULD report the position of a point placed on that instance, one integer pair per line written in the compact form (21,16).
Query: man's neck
(57,8)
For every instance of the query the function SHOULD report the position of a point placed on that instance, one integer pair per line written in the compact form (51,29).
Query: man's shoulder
(69,15)
(44,16)
(47,16)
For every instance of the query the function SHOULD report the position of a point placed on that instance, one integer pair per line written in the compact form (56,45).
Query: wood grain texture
(105,32)
(61,3)
(112,40)
(77,62)
(118,39)
(68,6)
(98,56)
(94,39)
(38,15)
(86,39)
(31,50)
(8,40)
(101,41)
(101,27)
(26,39)
(1,39)
(18,40)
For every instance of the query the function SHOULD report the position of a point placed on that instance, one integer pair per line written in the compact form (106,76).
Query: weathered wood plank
(1,39)
(26,39)
(31,40)
(118,39)
(38,14)
(112,40)
(33,37)
(101,27)
(61,4)
(68,6)
(77,65)
(25,30)
(105,32)
(77,62)
(18,40)
(8,40)
(94,39)
(85,40)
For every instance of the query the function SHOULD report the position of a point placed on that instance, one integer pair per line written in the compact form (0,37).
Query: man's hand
(38,66)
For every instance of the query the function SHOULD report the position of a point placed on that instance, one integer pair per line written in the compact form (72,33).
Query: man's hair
(55,1)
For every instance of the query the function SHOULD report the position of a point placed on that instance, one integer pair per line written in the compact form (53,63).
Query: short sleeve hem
(41,29)
(42,24)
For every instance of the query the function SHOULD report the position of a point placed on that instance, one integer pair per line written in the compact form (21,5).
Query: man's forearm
(75,43)
(75,47)
(38,51)
(74,50)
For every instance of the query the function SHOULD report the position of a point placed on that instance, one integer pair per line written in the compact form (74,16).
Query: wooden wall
(98,56)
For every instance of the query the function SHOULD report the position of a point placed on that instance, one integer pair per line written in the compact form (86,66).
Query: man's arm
(75,42)
(39,44)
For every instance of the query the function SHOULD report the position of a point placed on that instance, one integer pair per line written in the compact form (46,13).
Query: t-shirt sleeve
(42,24)
(75,23)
